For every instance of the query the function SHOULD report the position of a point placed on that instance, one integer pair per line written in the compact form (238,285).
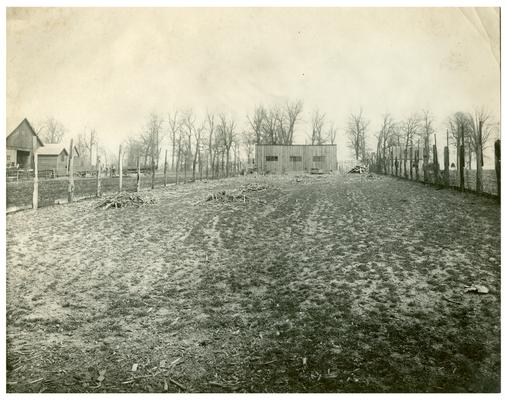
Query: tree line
(212,145)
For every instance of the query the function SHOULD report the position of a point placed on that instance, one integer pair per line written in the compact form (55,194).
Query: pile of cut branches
(122,200)
(253,187)
(224,196)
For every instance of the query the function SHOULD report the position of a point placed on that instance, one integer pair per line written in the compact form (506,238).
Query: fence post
(405,173)
(392,161)
(411,162)
(138,179)
(462,160)
(497,167)
(417,163)
(165,169)
(478,156)
(152,172)
(35,196)
(70,190)
(120,168)
(436,166)
(446,166)
(425,162)
(98,176)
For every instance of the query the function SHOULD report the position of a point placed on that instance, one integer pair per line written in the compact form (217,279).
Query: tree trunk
(70,190)
(426,155)
(35,193)
(185,169)
(436,167)
(165,168)
(462,160)
(227,163)
(98,176)
(120,167)
(405,161)
(478,156)
(152,172)
(194,162)
(138,180)
(497,167)
(178,164)
(416,161)
(411,162)
(446,166)
(172,153)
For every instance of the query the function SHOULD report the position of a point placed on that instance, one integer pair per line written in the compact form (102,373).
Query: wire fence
(53,190)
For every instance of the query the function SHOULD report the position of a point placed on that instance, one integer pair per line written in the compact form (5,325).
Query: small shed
(21,143)
(295,158)
(53,157)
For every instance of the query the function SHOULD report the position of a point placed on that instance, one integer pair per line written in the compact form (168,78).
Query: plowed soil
(317,284)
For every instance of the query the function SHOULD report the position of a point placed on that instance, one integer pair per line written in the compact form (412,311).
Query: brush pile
(358,169)
(253,187)
(226,197)
(122,200)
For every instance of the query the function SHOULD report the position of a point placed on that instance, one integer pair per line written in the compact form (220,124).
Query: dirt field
(335,284)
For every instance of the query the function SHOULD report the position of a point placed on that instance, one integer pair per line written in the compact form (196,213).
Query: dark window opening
(271,158)
(296,158)
(319,158)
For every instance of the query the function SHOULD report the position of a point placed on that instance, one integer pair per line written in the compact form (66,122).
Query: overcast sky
(109,68)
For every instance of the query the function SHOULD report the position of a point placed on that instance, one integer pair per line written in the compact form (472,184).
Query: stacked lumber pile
(122,200)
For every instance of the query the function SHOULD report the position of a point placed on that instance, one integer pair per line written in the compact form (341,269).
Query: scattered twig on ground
(174,382)
(451,301)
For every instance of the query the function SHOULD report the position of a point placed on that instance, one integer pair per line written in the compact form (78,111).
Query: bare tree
(479,133)
(51,131)
(269,126)
(86,142)
(277,124)
(226,133)
(249,140)
(152,140)
(293,112)
(134,148)
(210,120)
(331,133)
(457,123)
(197,142)
(426,130)
(174,123)
(384,138)
(286,120)
(410,129)
(318,121)
(356,132)
(256,122)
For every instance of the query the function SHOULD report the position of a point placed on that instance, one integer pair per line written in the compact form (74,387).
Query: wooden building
(295,158)
(55,157)
(21,143)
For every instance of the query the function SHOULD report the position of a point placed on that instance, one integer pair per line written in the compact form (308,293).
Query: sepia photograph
(252,199)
